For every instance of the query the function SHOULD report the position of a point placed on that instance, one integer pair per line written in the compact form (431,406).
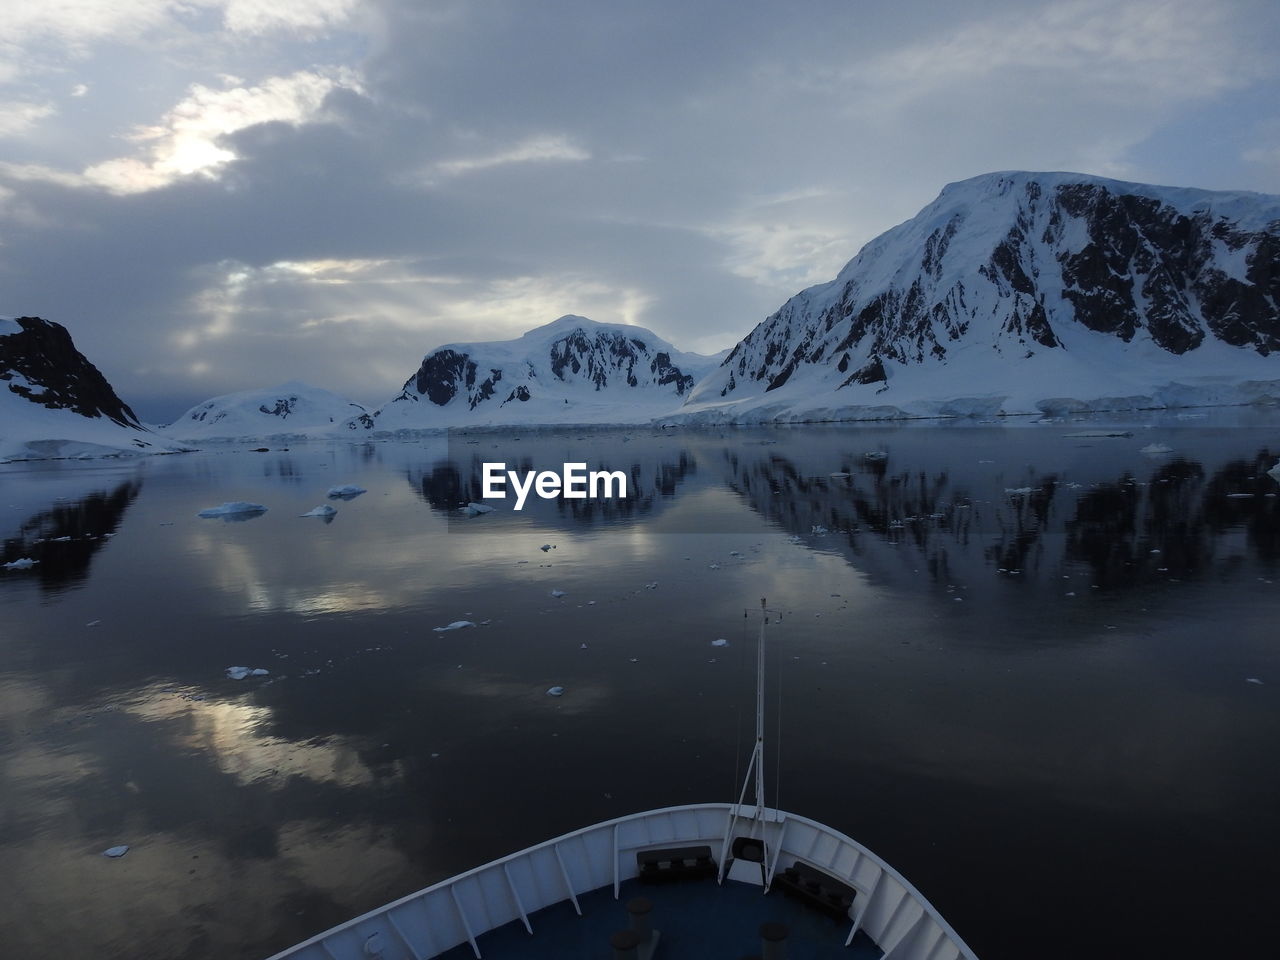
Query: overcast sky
(214,195)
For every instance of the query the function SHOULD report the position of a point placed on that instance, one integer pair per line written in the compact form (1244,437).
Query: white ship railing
(459,910)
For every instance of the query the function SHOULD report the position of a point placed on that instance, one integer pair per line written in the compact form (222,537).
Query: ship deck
(694,919)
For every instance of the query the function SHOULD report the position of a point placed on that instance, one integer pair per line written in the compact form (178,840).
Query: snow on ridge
(1014,292)
(293,409)
(571,371)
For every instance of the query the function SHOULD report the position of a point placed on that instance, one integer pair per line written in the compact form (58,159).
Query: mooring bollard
(773,941)
(639,908)
(624,944)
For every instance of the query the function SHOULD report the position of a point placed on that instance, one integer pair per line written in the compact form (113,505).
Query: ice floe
(475,509)
(720,643)
(558,594)
(242,509)
(325,510)
(348,491)
(545,547)
(555,691)
(1156,449)
(456,625)
(239,673)
(1253,680)
(23,563)
(116,852)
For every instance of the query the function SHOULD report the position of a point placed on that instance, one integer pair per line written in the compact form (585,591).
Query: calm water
(1016,666)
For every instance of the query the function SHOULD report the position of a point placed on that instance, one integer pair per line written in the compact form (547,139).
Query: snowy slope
(1022,293)
(291,409)
(572,370)
(55,403)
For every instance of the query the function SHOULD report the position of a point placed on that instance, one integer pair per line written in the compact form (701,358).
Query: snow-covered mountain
(572,370)
(1022,293)
(291,409)
(55,403)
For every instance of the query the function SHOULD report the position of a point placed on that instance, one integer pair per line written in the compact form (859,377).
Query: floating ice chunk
(1156,449)
(116,852)
(475,509)
(876,455)
(558,594)
(240,509)
(348,491)
(324,510)
(722,642)
(24,563)
(555,691)
(651,585)
(1275,471)
(545,547)
(839,476)
(1253,680)
(456,625)
(713,566)
(819,529)
(1097,434)
(1019,491)
(1239,496)
(239,673)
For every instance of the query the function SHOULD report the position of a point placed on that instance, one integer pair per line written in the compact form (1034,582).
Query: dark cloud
(494,165)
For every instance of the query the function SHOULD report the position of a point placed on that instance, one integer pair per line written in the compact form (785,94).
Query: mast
(758,758)
(755,767)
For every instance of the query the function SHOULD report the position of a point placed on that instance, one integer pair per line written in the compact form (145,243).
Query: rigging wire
(777,737)
(737,726)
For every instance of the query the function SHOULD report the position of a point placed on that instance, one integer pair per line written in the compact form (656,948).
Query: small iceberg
(1156,449)
(116,852)
(545,547)
(324,511)
(1274,472)
(475,509)
(456,625)
(348,491)
(239,673)
(234,510)
(558,594)
(1253,680)
(24,563)
(555,691)
(722,642)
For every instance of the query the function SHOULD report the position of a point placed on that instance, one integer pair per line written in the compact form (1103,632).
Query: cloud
(19,117)
(537,149)
(390,177)
(188,139)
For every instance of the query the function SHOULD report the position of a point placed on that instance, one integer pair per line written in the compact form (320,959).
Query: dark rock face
(1036,257)
(43,354)
(441,375)
(281,408)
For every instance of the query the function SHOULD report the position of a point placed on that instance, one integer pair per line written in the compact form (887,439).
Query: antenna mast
(755,768)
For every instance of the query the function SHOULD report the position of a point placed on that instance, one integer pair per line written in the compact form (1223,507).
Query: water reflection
(980,639)
(64,538)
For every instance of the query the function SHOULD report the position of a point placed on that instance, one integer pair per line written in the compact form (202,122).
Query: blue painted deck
(697,919)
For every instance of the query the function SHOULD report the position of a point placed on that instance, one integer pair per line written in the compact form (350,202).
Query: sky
(218,195)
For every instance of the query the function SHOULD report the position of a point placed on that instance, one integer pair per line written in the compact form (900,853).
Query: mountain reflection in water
(1006,653)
